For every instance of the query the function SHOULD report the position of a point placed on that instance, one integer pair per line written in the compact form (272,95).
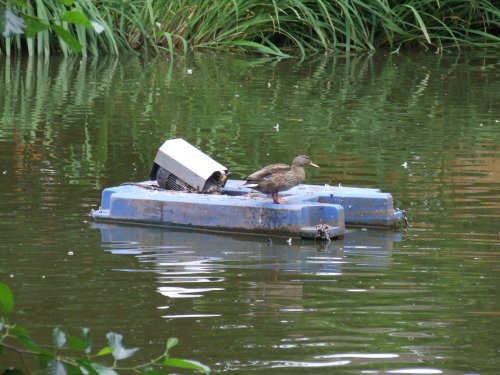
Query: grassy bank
(278,27)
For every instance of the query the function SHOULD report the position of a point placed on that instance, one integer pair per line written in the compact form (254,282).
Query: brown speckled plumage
(274,178)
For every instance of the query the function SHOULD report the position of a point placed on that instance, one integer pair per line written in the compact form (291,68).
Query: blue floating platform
(240,209)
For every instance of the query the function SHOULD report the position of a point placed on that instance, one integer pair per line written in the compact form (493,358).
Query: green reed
(277,27)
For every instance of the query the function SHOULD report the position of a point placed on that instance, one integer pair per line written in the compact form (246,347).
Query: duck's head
(302,161)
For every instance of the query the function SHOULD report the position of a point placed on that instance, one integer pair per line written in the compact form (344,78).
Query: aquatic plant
(278,28)
(74,353)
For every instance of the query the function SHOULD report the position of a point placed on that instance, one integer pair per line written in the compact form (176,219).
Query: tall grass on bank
(277,27)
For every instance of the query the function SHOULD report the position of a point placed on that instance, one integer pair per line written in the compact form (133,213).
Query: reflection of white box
(180,166)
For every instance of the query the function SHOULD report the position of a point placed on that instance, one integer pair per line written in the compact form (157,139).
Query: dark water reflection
(233,286)
(424,127)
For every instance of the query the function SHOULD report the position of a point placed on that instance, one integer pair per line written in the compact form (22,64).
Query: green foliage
(288,27)
(73,353)
(277,28)
(6,299)
(54,25)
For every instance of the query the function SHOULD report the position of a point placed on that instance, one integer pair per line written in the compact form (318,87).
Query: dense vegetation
(278,27)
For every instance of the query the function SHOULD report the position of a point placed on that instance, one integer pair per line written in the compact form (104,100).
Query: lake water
(424,127)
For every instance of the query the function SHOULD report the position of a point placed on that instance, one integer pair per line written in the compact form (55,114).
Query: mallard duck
(274,178)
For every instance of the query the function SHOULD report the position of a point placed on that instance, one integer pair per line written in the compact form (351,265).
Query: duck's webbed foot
(277,199)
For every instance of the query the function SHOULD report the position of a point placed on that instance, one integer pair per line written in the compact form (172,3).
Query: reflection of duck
(274,178)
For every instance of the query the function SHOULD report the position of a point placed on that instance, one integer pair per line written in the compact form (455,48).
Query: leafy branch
(17,17)
(73,354)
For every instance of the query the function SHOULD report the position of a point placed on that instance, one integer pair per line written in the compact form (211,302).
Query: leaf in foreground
(69,39)
(56,368)
(98,28)
(6,298)
(104,351)
(58,337)
(34,26)
(103,370)
(76,17)
(119,351)
(171,342)
(86,335)
(12,23)
(77,344)
(186,363)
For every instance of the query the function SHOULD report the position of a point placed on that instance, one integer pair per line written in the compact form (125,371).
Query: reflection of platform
(235,210)
(168,250)
(193,269)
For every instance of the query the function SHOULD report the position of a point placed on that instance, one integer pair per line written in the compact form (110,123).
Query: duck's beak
(313,165)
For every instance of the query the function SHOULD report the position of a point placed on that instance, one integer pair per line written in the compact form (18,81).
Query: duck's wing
(268,171)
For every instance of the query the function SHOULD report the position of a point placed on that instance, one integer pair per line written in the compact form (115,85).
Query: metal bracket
(323,232)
